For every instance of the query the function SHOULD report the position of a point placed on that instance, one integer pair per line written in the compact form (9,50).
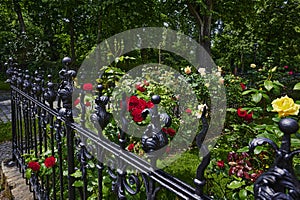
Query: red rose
(171,132)
(243,86)
(286,67)
(87,87)
(241,113)
(130,147)
(35,166)
(150,104)
(76,102)
(87,103)
(189,111)
(142,104)
(220,164)
(248,117)
(137,115)
(133,102)
(140,88)
(291,72)
(50,162)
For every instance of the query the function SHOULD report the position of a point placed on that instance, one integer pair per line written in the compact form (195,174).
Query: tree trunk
(203,20)
(18,10)
(205,38)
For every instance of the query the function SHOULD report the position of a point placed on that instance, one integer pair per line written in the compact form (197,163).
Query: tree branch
(18,10)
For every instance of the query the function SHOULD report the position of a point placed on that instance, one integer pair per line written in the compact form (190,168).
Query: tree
(258,31)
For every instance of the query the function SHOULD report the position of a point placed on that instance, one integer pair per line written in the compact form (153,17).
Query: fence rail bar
(178,187)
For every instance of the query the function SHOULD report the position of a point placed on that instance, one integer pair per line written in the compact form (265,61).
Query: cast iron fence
(43,125)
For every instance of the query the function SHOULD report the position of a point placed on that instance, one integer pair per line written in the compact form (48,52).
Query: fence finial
(154,138)
(279,182)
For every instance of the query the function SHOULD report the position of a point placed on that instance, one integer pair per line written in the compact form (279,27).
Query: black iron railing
(43,126)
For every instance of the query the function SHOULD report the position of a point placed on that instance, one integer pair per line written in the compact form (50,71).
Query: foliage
(258,31)
(5,132)
(254,42)
(4,86)
(259,97)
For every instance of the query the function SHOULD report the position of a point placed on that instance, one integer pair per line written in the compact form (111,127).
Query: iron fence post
(65,92)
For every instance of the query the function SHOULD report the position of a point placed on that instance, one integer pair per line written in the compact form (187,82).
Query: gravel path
(5,151)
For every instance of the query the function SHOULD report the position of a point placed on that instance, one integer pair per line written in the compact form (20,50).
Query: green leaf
(266,97)
(269,108)
(77,174)
(28,173)
(244,149)
(276,119)
(78,184)
(243,194)
(235,184)
(233,110)
(248,91)
(256,97)
(258,149)
(91,164)
(278,83)
(268,85)
(295,142)
(297,86)
(250,188)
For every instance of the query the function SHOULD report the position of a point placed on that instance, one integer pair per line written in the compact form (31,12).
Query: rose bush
(264,92)
(253,101)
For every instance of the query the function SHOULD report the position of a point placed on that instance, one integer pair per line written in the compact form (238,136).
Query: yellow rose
(285,106)
(187,70)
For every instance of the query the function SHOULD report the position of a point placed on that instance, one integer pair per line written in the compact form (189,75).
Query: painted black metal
(279,182)
(38,125)
(154,138)
(199,181)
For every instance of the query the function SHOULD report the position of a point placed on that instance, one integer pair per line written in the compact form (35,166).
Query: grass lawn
(5,131)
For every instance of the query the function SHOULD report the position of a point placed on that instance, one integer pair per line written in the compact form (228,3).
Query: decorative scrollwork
(66,88)
(279,182)
(199,181)
(101,116)
(37,85)
(11,71)
(123,182)
(50,93)
(27,83)
(151,189)
(19,79)
(154,138)
(261,141)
